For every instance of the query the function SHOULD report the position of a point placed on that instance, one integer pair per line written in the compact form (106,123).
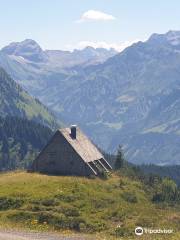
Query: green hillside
(105,209)
(14,101)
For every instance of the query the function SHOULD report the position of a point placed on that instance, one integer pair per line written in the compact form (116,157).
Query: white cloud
(93,15)
(101,44)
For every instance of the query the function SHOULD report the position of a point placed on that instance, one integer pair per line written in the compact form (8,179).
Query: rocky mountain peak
(28,49)
(171,37)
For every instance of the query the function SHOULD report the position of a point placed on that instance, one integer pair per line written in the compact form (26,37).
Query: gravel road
(16,235)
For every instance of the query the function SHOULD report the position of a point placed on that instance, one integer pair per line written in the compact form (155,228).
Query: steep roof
(82,145)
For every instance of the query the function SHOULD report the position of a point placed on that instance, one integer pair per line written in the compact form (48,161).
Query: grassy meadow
(105,209)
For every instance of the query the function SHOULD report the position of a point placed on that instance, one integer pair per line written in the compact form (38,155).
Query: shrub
(71,212)
(121,231)
(45,217)
(117,215)
(49,202)
(167,191)
(147,221)
(103,175)
(36,208)
(60,221)
(10,203)
(21,216)
(129,197)
(95,226)
(100,203)
(157,197)
(66,198)
(63,222)
(121,183)
(75,222)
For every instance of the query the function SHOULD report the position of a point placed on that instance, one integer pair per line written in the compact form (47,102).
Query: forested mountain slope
(14,101)
(20,142)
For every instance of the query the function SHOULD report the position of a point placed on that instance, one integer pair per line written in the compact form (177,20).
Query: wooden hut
(70,152)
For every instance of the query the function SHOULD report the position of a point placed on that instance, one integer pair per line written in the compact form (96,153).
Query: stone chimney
(73,131)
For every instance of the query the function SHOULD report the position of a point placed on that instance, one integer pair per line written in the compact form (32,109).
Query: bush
(21,216)
(167,191)
(122,183)
(95,226)
(70,211)
(60,221)
(157,197)
(63,222)
(48,202)
(45,217)
(147,221)
(121,231)
(74,223)
(104,175)
(66,198)
(10,203)
(117,215)
(129,197)
(37,208)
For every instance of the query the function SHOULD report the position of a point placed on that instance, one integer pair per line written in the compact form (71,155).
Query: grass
(109,208)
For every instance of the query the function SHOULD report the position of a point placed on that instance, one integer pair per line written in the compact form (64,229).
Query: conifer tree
(119,162)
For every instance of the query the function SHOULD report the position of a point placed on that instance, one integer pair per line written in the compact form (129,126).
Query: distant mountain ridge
(31,51)
(86,56)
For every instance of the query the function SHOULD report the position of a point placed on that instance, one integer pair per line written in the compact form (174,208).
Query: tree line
(20,142)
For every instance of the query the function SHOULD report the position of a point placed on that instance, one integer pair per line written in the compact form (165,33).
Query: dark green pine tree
(5,154)
(119,162)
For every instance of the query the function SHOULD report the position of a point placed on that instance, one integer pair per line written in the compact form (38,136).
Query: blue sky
(61,24)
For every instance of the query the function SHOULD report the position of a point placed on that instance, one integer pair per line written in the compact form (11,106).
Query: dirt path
(15,235)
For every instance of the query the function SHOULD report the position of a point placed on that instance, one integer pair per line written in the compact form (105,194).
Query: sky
(69,24)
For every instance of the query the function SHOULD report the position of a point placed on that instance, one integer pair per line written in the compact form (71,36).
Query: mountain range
(130,98)
(30,51)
